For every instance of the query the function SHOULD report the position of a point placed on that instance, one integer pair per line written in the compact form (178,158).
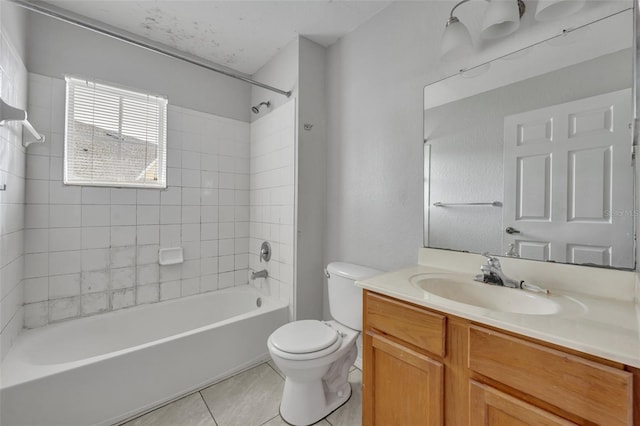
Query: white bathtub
(103,369)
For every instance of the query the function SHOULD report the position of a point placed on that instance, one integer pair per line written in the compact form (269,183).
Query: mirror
(530,155)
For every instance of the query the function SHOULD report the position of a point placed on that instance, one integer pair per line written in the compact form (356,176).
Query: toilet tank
(345,299)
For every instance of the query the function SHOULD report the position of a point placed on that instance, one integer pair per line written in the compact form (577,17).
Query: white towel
(338,374)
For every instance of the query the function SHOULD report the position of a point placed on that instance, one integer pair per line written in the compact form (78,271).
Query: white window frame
(125,93)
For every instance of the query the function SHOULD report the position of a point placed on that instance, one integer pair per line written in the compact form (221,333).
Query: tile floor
(250,398)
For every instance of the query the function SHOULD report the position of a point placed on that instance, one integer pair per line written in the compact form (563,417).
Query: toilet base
(297,415)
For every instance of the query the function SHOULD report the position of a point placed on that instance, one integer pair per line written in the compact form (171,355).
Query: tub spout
(259,274)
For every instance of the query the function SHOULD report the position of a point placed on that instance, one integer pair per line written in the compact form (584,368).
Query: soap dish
(170,256)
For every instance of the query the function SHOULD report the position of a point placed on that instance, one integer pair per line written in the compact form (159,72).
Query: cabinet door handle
(510,230)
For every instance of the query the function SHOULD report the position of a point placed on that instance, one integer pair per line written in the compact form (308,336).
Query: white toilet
(316,356)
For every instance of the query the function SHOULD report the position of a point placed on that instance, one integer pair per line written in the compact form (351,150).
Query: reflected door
(569,182)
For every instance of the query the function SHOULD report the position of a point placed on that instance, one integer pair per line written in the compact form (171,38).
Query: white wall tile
(96,215)
(65,215)
(36,265)
(64,286)
(95,237)
(148,197)
(64,194)
(148,234)
(123,298)
(36,240)
(123,236)
(190,286)
(147,254)
(64,262)
(64,239)
(148,274)
(170,290)
(36,314)
(122,257)
(94,303)
(122,278)
(37,167)
(94,281)
(61,309)
(96,195)
(123,196)
(36,216)
(148,215)
(95,259)
(122,215)
(36,289)
(148,293)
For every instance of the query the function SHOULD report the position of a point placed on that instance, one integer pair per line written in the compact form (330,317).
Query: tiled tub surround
(13,90)
(91,250)
(272,210)
(115,365)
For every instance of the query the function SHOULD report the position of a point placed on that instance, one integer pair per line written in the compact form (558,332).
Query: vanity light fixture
(555,9)
(501,18)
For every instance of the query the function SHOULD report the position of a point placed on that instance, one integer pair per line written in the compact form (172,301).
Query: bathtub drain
(259,302)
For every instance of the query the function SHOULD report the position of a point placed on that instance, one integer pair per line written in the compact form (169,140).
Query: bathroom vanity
(435,361)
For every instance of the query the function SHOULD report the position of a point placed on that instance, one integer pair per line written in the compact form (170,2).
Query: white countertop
(606,327)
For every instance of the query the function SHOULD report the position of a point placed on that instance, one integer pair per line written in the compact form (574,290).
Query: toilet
(315,356)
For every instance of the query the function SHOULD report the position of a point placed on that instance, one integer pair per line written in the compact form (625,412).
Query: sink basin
(460,289)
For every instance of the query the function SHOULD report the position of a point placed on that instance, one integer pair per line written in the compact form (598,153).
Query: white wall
(91,250)
(312,175)
(56,48)
(13,90)
(375,80)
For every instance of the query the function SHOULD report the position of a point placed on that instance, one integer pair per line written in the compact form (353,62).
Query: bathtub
(103,369)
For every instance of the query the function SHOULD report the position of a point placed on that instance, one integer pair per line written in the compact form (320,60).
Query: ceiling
(241,34)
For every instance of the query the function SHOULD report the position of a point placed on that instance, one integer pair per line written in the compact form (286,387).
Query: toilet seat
(306,339)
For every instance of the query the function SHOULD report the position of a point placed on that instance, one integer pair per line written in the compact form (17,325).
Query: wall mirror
(530,155)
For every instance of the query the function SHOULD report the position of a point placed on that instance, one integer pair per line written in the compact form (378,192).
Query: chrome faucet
(492,274)
(259,274)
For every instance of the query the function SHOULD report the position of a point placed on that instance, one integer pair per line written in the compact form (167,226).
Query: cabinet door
(490,407)
(400,386)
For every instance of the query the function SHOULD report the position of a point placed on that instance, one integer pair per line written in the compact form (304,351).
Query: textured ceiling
(239,34)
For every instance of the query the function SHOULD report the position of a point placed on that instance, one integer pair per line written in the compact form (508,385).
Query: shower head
(256,109)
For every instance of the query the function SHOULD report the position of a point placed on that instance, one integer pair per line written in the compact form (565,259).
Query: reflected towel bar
(491,203)
(9,113)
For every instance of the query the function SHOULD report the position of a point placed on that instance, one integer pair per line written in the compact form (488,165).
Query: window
(114,136)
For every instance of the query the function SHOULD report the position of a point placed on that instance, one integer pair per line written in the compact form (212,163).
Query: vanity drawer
(595,392)
(406,322)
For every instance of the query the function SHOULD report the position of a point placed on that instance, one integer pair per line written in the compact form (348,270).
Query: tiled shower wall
(91,250)
(13,90)
(273,141)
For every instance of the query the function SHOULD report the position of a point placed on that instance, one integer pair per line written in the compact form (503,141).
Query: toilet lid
(304,336)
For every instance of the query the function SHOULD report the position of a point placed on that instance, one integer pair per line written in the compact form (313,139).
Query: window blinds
(114,136)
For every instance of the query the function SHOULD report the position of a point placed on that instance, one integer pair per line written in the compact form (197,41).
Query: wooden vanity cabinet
(422,367)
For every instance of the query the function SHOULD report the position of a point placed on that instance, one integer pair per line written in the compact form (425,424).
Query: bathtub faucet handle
(265,251)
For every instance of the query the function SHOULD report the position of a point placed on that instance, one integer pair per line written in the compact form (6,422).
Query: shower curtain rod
(80,21)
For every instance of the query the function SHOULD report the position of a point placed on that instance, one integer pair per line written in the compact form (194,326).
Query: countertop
(605,327)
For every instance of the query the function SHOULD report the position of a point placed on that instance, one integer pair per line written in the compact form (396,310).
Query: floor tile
(277,421)
(249,399)
(188,411)
(275,367)
(350,414)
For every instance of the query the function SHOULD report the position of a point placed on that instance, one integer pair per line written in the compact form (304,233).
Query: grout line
(277,372)
(272,418)
(208,409)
